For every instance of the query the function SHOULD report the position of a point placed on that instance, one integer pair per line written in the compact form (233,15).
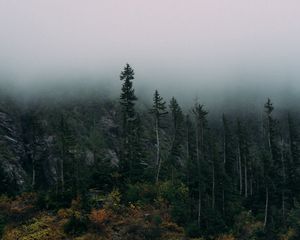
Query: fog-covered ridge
(216,51)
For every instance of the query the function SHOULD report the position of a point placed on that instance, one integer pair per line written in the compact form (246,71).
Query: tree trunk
(224,147)
(240,170)
(62,175)
(266,207)
(187,158)
(284,181)
(223,201)
(199,174)
(213,187)
(199,209)
(246,178)
(251,186)
(33,174)
(158,162)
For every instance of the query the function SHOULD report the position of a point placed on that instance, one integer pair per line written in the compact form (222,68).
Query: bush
(76,225)
(177,197)
(53,201)
(246,227)
(141,192)
(152,233)
(157,220)
(226,237)
(99,217)
(113,201)
(2,224)
(193,230)
(42,227)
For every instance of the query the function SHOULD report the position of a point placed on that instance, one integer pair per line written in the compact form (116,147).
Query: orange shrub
(99,217)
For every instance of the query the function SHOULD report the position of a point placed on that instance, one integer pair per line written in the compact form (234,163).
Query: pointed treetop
(269,107)
(127,73)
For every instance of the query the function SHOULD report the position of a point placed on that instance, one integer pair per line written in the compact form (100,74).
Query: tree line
(242,164)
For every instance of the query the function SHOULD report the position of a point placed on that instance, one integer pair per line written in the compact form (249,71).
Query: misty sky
(196,45)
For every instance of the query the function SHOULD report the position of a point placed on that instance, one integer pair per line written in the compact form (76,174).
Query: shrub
(53,201)
(246,227)
(42,227)
(65,213)
(157,220)
(113,201)
(225,237)
(193,230)
(152,233)
(76,225)
(2,224)
(99,217)
(176,195)
(140,192)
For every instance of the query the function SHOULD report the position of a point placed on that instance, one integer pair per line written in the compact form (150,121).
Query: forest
(99,168)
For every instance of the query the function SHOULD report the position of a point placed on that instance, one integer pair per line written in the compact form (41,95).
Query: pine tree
(201,123)
(244,163)
(229,155)
(158,110)
(272,162)
(177,135)
(127,102)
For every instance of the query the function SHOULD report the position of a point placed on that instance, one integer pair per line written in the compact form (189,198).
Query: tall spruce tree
(158,110)
(177,135)
(272,162)
(201,124)
(127,102)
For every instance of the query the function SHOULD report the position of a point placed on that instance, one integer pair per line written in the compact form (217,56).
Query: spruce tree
(158,110)
(177,135)
(272,161)
(127,102)
(201,124)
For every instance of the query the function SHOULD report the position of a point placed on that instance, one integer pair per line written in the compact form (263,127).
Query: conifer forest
(161,120)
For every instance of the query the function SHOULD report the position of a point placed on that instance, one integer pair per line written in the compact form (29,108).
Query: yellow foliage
(42,227)
(113,201)
(90,236)
(226,237)
(64,213)
(172,227)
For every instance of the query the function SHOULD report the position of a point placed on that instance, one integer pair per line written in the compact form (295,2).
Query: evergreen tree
(158,110)
(201,124)
(177,135)
(272,162)
(129,119)
(244,162)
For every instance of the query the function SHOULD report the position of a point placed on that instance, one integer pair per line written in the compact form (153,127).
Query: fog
(215,50)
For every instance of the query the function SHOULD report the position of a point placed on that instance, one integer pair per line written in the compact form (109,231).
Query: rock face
(22,142)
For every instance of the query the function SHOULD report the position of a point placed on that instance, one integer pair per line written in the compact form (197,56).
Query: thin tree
(158,110)
(200,119)
(177,134)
